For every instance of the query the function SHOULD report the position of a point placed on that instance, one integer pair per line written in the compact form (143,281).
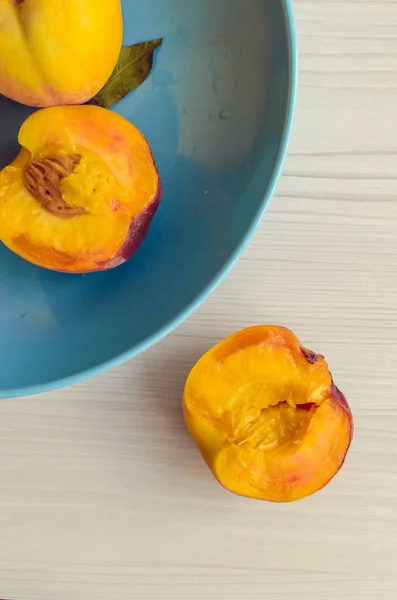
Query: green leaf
(133,67)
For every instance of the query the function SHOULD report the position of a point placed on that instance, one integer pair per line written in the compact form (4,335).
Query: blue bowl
(217,111)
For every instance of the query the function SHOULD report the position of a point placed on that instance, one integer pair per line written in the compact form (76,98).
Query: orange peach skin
(266,416)
(116,184)
(55,52)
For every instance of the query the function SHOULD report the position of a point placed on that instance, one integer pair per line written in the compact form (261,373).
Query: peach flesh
(82,193)
(266,415)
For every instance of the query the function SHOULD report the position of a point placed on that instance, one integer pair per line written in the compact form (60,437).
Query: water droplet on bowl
(224,114)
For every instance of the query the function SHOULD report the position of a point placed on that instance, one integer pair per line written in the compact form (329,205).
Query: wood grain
(102,494)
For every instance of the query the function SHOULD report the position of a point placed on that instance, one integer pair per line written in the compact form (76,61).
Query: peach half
(266,415)
(55,52)
(81,194)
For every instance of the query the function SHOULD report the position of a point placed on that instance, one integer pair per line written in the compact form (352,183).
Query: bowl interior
(214,112)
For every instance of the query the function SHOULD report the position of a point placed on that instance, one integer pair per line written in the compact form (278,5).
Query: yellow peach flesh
(114,183)
(266,416)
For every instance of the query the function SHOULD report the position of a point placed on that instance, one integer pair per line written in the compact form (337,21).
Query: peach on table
(266,415)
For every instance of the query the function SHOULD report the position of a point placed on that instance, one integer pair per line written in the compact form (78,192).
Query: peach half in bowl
(216,113)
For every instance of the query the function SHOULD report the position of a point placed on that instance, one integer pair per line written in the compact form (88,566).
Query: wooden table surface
(102,493)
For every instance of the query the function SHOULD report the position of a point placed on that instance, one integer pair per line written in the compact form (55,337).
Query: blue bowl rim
(221,274)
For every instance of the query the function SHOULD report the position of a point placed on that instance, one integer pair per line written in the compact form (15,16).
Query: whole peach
(55,52)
